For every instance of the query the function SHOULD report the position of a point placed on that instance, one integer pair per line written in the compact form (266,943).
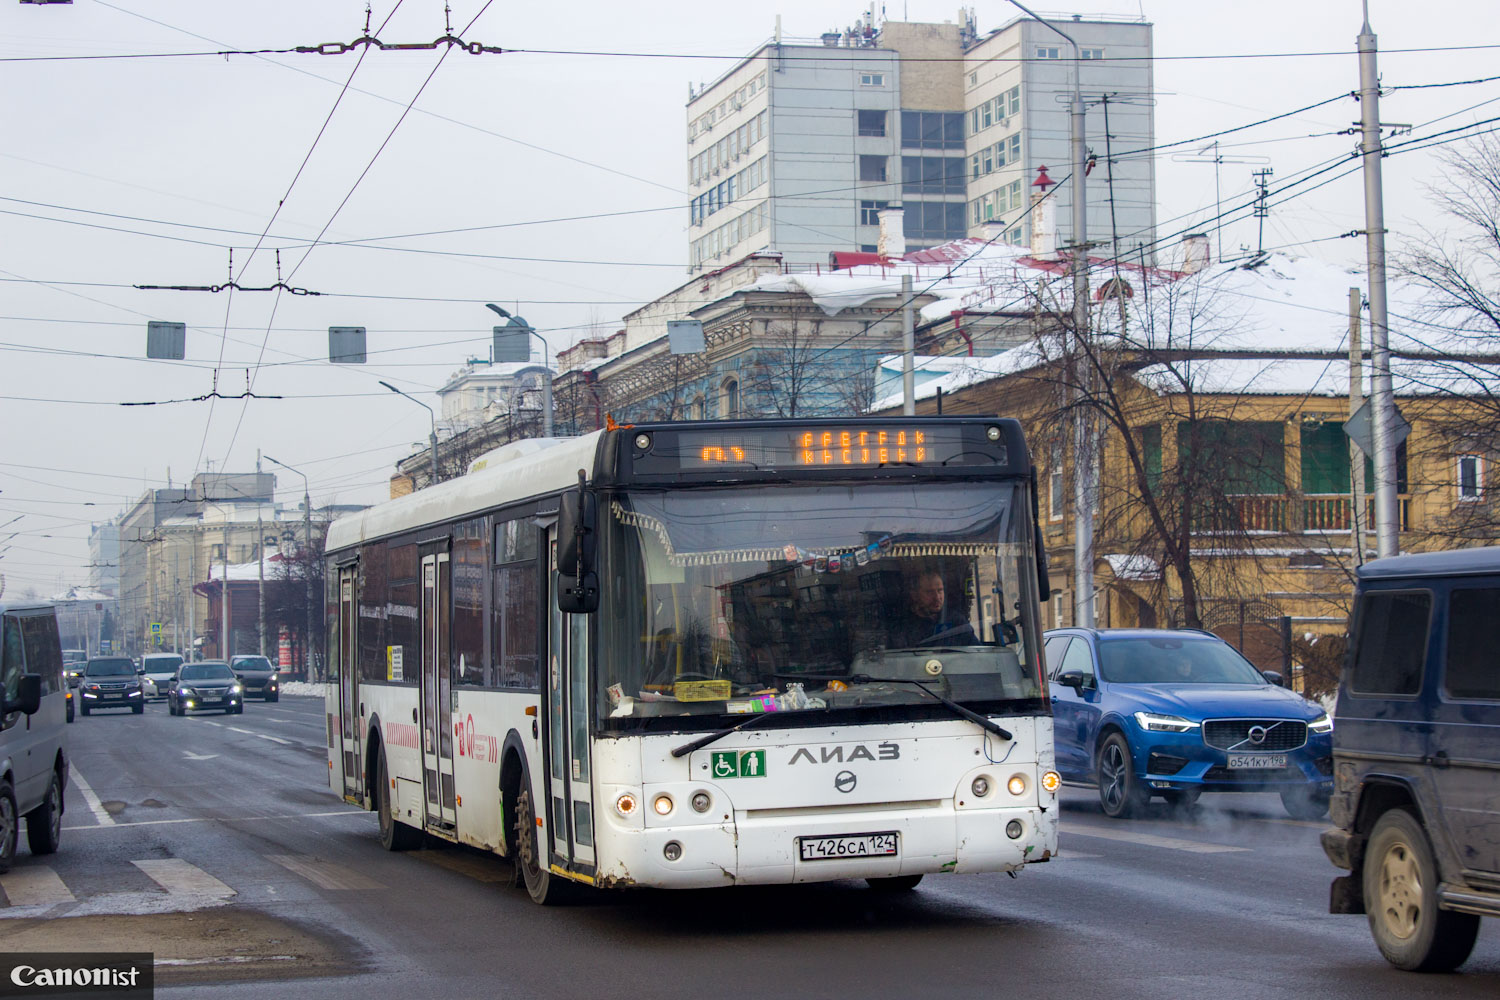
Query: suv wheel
(1400,884)
(1120,792)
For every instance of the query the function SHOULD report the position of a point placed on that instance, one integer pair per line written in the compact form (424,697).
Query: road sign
(1361,430)
(156,628)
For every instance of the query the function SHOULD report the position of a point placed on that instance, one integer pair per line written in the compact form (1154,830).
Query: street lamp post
(520,324)
(307,641)
(1083,434)
(432,438)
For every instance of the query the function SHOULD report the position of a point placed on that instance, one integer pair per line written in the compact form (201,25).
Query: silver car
(157,671)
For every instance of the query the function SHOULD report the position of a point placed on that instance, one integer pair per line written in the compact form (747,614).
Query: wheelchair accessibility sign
(739,763)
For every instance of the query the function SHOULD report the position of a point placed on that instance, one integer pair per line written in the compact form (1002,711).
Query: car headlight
(1154,723)
(234,689)
(1322,724)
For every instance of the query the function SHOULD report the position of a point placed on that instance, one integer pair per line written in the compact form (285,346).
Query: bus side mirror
(577,534)
(29,697)
(577,522)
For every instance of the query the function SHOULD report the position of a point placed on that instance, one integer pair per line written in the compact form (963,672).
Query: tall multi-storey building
(1018,83)
(800,146)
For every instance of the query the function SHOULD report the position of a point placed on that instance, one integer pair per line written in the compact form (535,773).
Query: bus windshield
(727,602)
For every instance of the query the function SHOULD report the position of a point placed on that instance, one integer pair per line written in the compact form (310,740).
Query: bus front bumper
(765,847)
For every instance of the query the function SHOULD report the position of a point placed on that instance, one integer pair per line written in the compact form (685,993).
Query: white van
(157,671)
(33,764)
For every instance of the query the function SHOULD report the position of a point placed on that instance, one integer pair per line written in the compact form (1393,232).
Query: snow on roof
(1271,303)
(1128,567)
(78,594)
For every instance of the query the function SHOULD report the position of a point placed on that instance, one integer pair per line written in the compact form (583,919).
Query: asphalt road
(214,842)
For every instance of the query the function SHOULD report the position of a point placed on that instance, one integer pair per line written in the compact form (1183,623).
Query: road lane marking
(34,886)
(237,729)
(275,739)
(230,819)
(90,799)
(324,874)
(181,878)
(1151,840)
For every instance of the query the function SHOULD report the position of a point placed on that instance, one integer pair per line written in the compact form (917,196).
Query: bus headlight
(1016,785)
(626,804)
(662,804)
(701,801)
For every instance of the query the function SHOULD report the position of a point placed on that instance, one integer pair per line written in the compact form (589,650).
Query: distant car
(258,676)
(1176,713)
(157,671)
(110,682)
(207,684)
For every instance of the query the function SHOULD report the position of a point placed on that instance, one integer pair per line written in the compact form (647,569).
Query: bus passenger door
(350,731)
(566,692)
(437,694)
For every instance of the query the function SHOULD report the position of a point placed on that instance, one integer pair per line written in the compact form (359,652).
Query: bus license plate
(865,845)
(1257,761)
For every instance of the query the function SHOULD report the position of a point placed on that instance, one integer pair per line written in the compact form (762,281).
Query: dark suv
(1416,800)
(110,682)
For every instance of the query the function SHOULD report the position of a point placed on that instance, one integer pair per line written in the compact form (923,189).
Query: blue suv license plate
(1257,761)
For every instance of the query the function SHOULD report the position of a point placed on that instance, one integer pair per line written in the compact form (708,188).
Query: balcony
(1334,512)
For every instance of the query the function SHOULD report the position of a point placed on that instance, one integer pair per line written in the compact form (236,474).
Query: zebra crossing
(172,884)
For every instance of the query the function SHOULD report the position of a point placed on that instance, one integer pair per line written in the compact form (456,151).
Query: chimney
(993,231)
(892,241)
(1194,253)
(1043,220)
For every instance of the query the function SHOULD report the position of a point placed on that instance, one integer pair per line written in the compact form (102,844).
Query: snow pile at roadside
(304,688)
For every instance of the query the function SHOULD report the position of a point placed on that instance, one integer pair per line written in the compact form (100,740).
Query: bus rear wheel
(394,835)
(542,886)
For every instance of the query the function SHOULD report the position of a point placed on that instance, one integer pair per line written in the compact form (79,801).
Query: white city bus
(683,655)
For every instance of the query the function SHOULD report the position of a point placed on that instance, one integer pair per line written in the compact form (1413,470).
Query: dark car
(1416,801)
(1176,713)
(257,676)
(110,682)
(207,684)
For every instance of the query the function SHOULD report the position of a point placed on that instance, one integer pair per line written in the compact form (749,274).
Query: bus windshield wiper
(719,734)
(955,707)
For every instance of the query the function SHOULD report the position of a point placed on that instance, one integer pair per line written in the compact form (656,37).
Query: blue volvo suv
(1176,713)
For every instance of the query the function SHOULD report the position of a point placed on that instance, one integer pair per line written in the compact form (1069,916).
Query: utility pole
(908,350)
(1262,209)
(1356,457)
(224,599)
(1387,524)
(260,553)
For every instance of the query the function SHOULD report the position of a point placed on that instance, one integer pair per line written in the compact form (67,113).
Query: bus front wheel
(540,883)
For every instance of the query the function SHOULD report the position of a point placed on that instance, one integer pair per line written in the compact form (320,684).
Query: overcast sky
(554,184)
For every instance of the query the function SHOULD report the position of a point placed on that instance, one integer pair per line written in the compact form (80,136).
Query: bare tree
(1456,330)
(1200,475)
(790,375)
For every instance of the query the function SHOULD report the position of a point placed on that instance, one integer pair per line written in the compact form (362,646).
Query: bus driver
(927,620)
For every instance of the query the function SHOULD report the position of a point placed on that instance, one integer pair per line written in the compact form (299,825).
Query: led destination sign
(826,447)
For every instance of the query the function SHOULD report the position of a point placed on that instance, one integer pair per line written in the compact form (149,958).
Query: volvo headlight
(1322,724)
(1154,723)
